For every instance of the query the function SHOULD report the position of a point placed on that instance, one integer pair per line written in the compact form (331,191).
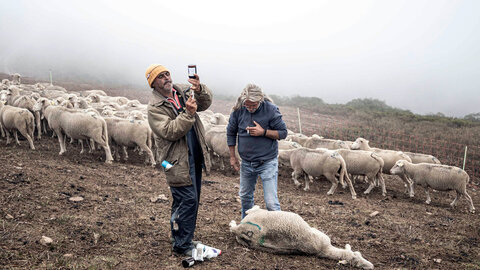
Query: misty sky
(423,56)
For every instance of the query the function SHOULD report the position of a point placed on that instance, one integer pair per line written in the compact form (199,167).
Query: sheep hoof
(306,189)
(366,192)
(428,202)
(354,197)
(472,211)
(108,161)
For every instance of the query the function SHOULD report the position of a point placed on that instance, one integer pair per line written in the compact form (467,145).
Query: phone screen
(192,70)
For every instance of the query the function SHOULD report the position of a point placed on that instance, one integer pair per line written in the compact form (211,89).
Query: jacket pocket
(179,175)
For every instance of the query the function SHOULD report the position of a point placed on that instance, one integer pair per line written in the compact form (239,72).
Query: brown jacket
(170,131)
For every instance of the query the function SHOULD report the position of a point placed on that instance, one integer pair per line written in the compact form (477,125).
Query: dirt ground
(117,225)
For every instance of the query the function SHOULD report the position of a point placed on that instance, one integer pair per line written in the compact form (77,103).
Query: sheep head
(398,168)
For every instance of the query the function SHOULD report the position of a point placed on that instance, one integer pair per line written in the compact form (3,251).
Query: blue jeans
(268,172)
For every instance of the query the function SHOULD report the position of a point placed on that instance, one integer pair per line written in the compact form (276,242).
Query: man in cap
(180,140)
(258,124)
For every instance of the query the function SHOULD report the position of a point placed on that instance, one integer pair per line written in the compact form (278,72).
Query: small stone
(76,199)
(96,236)
(69,171)
(306,203)
(46,240)
(374,213)
(428,213)
(82,177)
(159,198)
(68,255)
(18,168)
(38,207)
(344,262)
(8,216)
(437,260)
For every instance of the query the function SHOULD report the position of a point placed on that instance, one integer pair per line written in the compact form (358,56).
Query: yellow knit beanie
(153,71)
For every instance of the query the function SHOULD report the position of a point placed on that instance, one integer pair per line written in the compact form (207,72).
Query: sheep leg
(71,140)
(428,196)
(104,144)
(409,184)
(16,137)
(81,144)
(60,141)
(8,137)
(28,137)
(307,182)
(149,153)
(92,146)
(350,186)
(382,183)
(370,186)
(295,175)
(334,182)
(125,154)
(37,124)
(469,199)
(222,164)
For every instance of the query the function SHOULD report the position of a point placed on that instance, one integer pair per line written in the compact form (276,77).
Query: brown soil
(133,233)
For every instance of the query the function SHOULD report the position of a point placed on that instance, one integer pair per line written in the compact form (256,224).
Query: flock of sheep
(117,123)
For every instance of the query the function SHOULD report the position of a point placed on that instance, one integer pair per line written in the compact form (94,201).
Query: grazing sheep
(365,163)
(216,140)
(130,133)
(76,124)
(17,119)
(422,158)
(436,176)
(284,232)
(16,79)
(298,138)
(319,142)
(389,157)
(287,145)
(318,162)
(219,119)
(28,102)
(97,92)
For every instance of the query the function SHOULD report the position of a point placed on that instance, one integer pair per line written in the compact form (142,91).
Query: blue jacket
(252,148)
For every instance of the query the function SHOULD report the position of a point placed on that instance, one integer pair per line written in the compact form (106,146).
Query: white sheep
(298,138)
(76,124)
(27,102)
(422,158)
(365,163)
(287,233)
(389,157)
(16,79)
(436,176)
(130,133)
(318,162)
(319,142)
(17,119)
(216,140)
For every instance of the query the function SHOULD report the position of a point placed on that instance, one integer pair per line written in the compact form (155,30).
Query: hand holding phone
(192,70)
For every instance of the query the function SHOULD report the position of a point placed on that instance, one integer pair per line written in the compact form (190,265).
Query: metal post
(299,123)
(465,158)
(51,82)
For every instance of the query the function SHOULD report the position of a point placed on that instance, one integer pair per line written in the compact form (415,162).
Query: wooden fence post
(299,123)
(465,158)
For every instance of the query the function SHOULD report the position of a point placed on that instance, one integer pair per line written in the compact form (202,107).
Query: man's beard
(167,86)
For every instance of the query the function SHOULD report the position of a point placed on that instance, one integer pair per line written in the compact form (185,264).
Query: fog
(423,56)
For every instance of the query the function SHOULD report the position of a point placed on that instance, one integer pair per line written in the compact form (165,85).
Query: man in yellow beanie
(180,140)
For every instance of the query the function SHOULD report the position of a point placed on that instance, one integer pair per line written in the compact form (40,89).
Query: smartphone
(192,70)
